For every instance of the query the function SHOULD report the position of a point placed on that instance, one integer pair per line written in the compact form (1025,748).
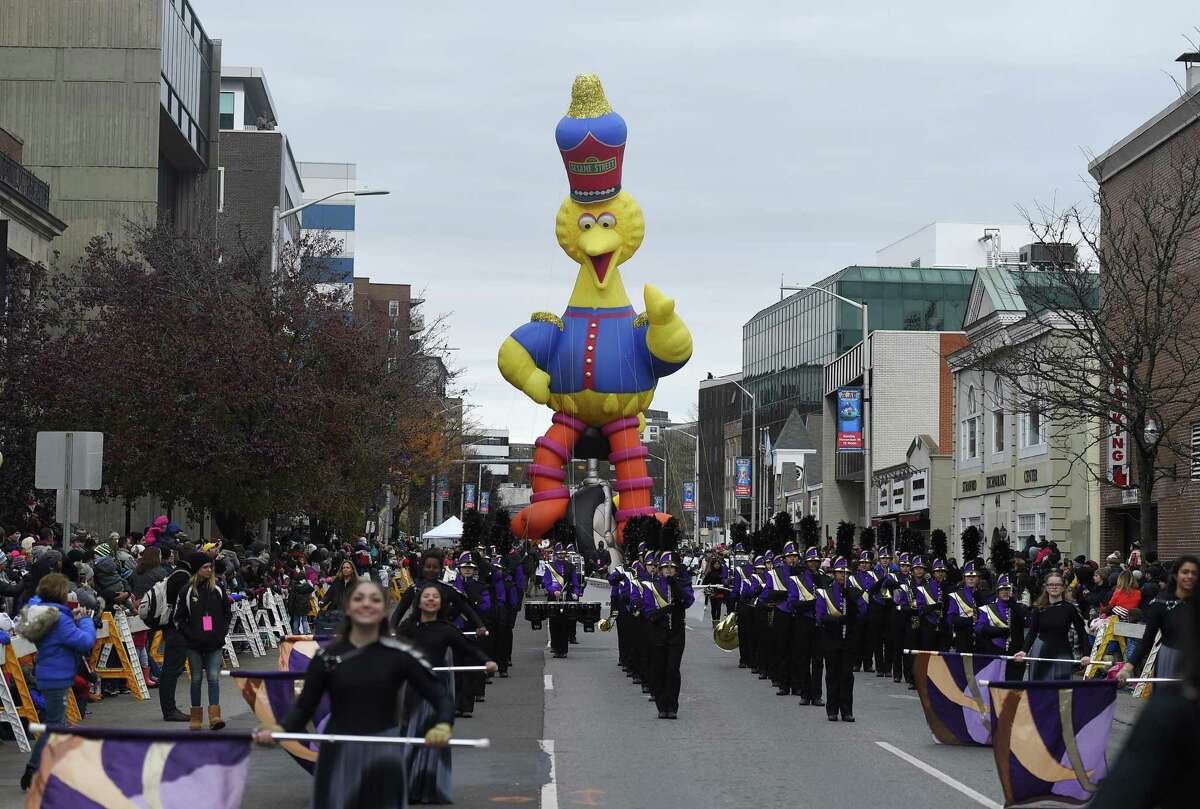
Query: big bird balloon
(597,365)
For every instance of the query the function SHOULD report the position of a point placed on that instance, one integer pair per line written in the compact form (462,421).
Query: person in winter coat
(155,532)
(61,635)
(202,617)
(109,583)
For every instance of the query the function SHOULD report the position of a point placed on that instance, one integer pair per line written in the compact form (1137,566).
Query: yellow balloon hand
(659,308)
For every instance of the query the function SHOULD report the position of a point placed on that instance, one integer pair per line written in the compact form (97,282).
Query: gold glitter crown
(587,98)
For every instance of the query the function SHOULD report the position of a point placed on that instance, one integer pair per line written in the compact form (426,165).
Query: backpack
(155,609)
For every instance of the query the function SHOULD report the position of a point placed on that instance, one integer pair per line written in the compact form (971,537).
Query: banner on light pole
(741,479)
(485,499)
(689,496)
(469,495)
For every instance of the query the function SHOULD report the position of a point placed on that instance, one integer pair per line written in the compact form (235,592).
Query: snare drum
(535,613)
(589,615)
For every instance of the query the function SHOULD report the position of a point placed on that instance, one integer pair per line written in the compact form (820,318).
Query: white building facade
(1015,471)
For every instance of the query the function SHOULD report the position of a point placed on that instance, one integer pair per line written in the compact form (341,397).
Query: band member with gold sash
(1000,627)
(862,584)
(962,610)
(747,592)
(781,618)
(665,602)
(762,628)
(902,625)
(561,581)
(836,614)
(927,607)
(879,618)
(805,662)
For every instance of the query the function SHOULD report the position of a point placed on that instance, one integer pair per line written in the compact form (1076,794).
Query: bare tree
(1111,344)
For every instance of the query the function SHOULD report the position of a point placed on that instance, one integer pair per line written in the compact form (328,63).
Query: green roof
(1001,287)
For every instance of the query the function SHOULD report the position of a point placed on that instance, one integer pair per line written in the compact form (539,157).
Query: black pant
(745,620)
(964,636)
(666,655)
(781,649)
(174,654)
(805,659)
(899,623)
(879,628)
(762,640)
(714,607)
(839,679)
(560,633)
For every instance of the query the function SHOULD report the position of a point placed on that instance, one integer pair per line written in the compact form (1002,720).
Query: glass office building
(786,346)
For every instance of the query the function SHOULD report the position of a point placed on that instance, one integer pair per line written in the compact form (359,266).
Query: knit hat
(198,560)
(104,549)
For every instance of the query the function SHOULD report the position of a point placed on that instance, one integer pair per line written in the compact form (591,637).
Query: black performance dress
(363,686)
(429,768)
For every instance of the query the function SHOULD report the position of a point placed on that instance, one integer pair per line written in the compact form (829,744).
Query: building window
(652,431)
(998,417)
(918,492)
(898,494)
(1032,428)
(970,448)
(1032,525)
(1196,451)
(969,437)
(227,104)
(393,308)
(393,335)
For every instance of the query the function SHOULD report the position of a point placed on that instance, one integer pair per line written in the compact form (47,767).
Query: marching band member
(780,618)
(879,618)
(902,624)
(746,593)
(665,602)
(862,583)
(962,609)
(561,582)
(805,661)
(926,606)
(1000,627)
(762,628)
(837,618)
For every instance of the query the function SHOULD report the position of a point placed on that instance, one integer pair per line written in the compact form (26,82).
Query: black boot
(27,778)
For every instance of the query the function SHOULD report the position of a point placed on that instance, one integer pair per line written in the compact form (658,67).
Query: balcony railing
(24,182)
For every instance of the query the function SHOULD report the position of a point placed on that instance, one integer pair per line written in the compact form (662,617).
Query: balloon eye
(607,220)
(586,221)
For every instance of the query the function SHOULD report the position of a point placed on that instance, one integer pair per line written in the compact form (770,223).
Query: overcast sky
(764,140)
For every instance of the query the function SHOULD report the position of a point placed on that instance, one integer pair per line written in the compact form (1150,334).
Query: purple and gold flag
(957,707)
(97,768)
(1050,739)
(270,696)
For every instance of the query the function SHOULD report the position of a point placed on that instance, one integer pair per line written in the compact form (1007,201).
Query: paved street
(734,740)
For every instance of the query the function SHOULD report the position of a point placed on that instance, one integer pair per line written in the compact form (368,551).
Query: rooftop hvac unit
(1054,254)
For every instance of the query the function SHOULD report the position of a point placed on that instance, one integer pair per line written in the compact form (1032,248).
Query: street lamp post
(695,480)
(866,344)
(753,455)
(278,216)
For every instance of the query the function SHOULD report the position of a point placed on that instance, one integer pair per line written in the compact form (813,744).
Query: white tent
(445,535)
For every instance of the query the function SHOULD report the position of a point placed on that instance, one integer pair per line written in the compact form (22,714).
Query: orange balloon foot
(536,519)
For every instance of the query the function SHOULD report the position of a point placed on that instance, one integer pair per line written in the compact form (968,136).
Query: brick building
(1144,159)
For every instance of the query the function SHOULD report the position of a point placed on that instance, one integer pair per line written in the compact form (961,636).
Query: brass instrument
(725,633)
